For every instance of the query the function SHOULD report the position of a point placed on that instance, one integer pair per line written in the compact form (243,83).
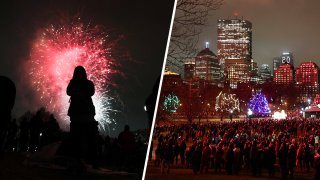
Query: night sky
(143,24)
(278,26)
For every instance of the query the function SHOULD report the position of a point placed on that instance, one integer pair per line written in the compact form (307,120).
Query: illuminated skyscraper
(307,80)
(276,64)
(189,69)
(236,71)
(234,40)
(287,58)
(235,50)
(264,72)
(284,74)
(207,65)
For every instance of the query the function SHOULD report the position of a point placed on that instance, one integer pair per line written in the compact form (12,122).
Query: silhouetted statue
(151,101)
(83,126)
(7,98)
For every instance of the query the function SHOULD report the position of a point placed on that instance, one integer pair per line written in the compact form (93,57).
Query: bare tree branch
(191,16)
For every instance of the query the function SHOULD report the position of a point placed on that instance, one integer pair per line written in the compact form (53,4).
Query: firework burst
(56,51)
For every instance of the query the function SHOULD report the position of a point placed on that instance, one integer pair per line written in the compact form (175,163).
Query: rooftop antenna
(207,44)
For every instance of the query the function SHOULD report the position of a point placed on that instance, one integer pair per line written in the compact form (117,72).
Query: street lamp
(208,110)
(231,111)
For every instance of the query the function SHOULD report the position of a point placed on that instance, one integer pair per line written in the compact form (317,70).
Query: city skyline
(273,31)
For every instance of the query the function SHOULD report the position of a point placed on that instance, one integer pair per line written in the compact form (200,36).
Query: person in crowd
(196,159)
(291,160)
(205,159)
(245,146)
(317,165)
(127,144)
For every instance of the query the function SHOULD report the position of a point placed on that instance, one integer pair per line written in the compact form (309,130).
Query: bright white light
(250,112)
(145,108)
(309,101)
(207,44)
(279,115)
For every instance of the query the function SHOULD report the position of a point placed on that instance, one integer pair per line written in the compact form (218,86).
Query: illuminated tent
(313,111)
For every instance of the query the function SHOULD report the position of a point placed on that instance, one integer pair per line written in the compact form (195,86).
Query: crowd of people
(34,131)
(248,145)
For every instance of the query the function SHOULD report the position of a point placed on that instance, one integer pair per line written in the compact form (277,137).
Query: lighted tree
(171,103)
(227,103)
(258,104)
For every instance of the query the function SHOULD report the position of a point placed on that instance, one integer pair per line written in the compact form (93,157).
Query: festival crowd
(249,145)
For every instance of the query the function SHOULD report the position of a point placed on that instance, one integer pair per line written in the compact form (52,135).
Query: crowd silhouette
(250,146)
(83,145)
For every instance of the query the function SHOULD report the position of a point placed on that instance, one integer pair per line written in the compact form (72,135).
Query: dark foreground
(15,166)
(179,173)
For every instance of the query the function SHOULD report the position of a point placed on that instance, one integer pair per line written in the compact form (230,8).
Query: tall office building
(189,69)
(236,71)
(254,72)
(276,64)
(207,66)
(234,40)
(284,74)
(265,73)
(234,48)
(287,58)
(307,80)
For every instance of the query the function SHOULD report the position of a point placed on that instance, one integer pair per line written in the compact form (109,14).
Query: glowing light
(259,104)
(171,103)
(227,102)
(207,44)
(250,112)
(279,115)
(56,51)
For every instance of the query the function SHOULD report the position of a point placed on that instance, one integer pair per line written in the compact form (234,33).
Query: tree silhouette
(190,17)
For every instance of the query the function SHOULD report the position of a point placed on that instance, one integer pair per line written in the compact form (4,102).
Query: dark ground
(14,166)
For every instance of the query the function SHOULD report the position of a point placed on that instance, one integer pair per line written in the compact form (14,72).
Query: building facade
(276,64)
(284,74)
(207,66)
(307,80)
(189,69)
(234,46)
(264,73)
(287,58)
(236,71)
(234,40)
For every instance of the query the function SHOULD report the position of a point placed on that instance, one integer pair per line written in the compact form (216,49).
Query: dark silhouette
(7,99)
(127,144)
(83,126)
(50,131)
(317,165)
(24,134)
(151,101)
(35,129)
